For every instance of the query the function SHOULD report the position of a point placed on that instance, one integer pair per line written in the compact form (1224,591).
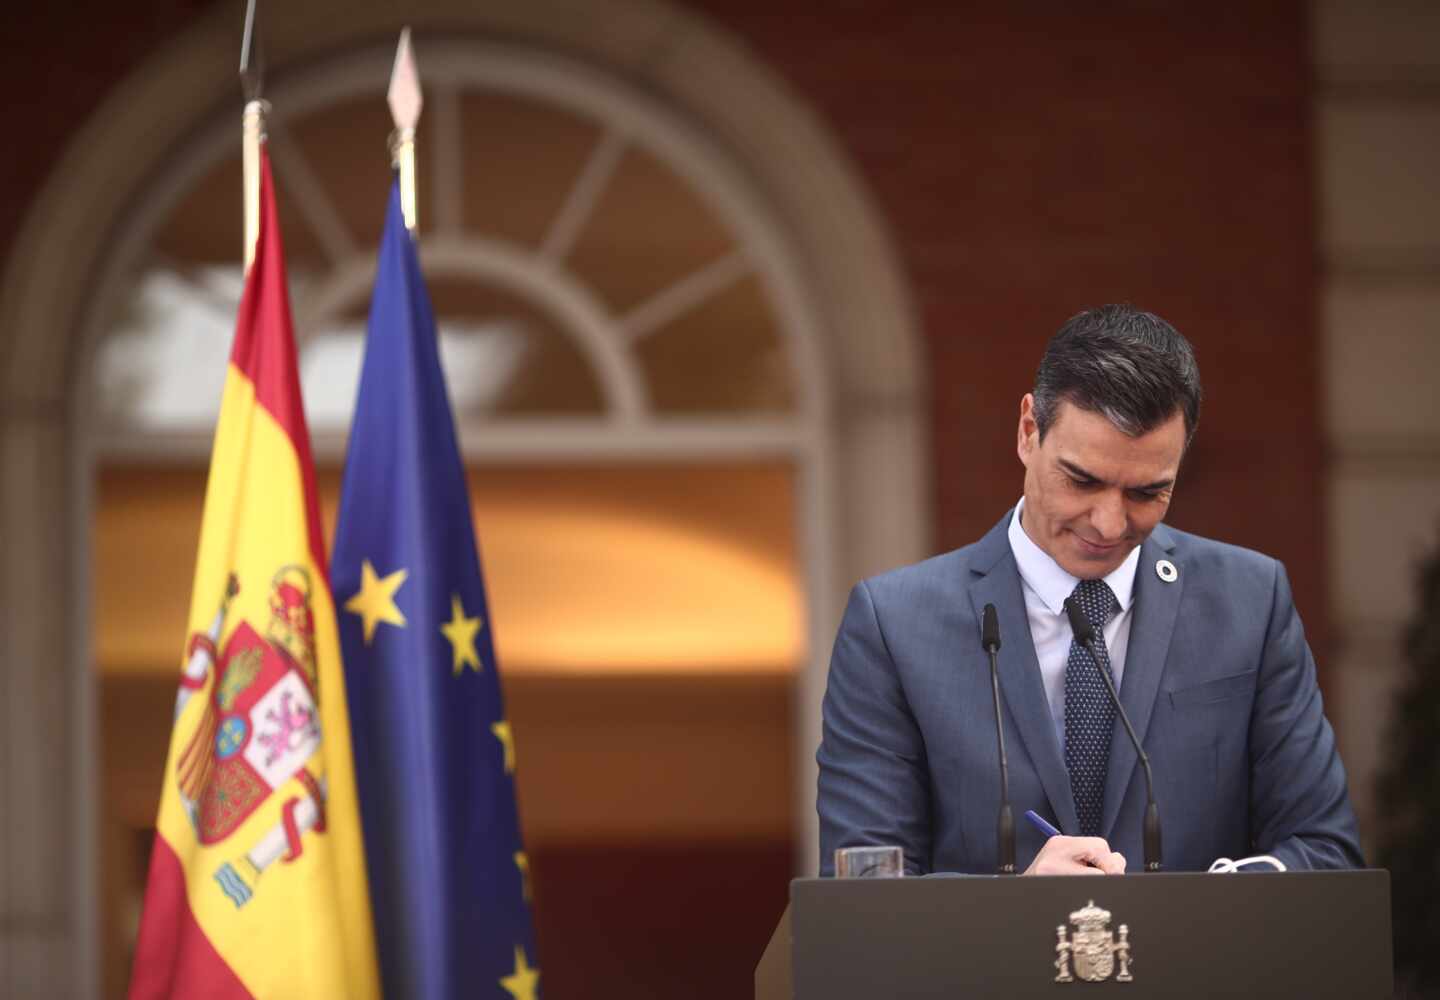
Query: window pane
(163,365)
(206,227)
(538,371)
(649,230)
(519,160)
(346,146)
(724,356)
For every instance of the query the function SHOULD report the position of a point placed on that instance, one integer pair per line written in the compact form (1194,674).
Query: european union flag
(434,759)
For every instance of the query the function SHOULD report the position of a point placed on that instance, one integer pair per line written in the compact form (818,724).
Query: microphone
(1085,635)
(1005,831)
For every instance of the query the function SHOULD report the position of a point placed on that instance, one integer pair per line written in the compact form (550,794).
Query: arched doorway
(848,419)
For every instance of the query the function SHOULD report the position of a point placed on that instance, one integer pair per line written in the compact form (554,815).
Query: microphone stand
(1005,828)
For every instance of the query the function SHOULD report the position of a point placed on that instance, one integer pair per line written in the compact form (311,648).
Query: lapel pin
(1166,571)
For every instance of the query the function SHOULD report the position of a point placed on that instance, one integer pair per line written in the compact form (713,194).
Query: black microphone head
(989,629)
(1079,624)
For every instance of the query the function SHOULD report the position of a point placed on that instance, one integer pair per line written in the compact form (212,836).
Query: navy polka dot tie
(1089,712)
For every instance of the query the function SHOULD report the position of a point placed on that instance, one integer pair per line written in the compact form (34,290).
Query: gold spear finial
(405,103)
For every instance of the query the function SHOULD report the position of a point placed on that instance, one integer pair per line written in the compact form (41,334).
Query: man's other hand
(1076,856)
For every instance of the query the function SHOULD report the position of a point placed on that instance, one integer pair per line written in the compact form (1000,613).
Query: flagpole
(405,101)
(252,127)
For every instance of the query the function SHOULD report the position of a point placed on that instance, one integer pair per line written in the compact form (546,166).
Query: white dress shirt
(1046,586)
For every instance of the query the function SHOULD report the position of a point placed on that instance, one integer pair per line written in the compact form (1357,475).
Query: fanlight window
(590,266)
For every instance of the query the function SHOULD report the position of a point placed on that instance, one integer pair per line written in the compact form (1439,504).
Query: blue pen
(1039,822)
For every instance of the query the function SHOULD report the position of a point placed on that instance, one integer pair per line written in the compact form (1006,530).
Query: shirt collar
(1052,584)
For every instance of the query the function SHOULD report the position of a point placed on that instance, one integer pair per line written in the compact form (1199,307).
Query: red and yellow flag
(257,883)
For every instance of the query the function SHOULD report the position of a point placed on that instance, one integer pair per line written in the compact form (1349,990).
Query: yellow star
(522,861)
(461,633)
(501,730)
(523,983)
(376,600)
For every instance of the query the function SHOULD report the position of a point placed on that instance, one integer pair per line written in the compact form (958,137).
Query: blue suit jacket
(1219,683)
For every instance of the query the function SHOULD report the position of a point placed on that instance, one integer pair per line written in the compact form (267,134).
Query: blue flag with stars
(434,759)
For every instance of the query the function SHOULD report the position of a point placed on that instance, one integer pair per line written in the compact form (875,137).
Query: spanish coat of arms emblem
(1092,953)
(259,727)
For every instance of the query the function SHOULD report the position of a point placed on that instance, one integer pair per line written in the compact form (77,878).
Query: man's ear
(1027,434)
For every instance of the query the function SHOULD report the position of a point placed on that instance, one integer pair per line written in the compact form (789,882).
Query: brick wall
(1034,159)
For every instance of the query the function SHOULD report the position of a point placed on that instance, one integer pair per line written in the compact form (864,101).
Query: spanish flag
(257,884)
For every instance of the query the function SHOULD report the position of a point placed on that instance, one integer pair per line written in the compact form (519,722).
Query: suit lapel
(997,581)
(1157,605)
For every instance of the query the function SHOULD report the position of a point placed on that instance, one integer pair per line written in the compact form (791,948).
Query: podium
(1265,934)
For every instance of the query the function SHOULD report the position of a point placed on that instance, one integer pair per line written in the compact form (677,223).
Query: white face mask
(1224,866)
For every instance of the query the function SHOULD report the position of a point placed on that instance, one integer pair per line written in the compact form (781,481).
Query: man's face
(1092,492)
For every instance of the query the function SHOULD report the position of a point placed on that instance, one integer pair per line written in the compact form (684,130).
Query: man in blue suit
(1201,638)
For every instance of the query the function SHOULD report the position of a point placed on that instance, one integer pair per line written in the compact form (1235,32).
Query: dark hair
(1131,366)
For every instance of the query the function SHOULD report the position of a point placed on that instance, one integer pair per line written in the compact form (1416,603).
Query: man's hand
(1076,856)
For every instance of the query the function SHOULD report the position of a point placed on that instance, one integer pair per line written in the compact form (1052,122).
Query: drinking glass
(869,862)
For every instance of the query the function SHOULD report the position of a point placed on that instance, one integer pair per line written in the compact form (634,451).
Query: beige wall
(1378,163)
